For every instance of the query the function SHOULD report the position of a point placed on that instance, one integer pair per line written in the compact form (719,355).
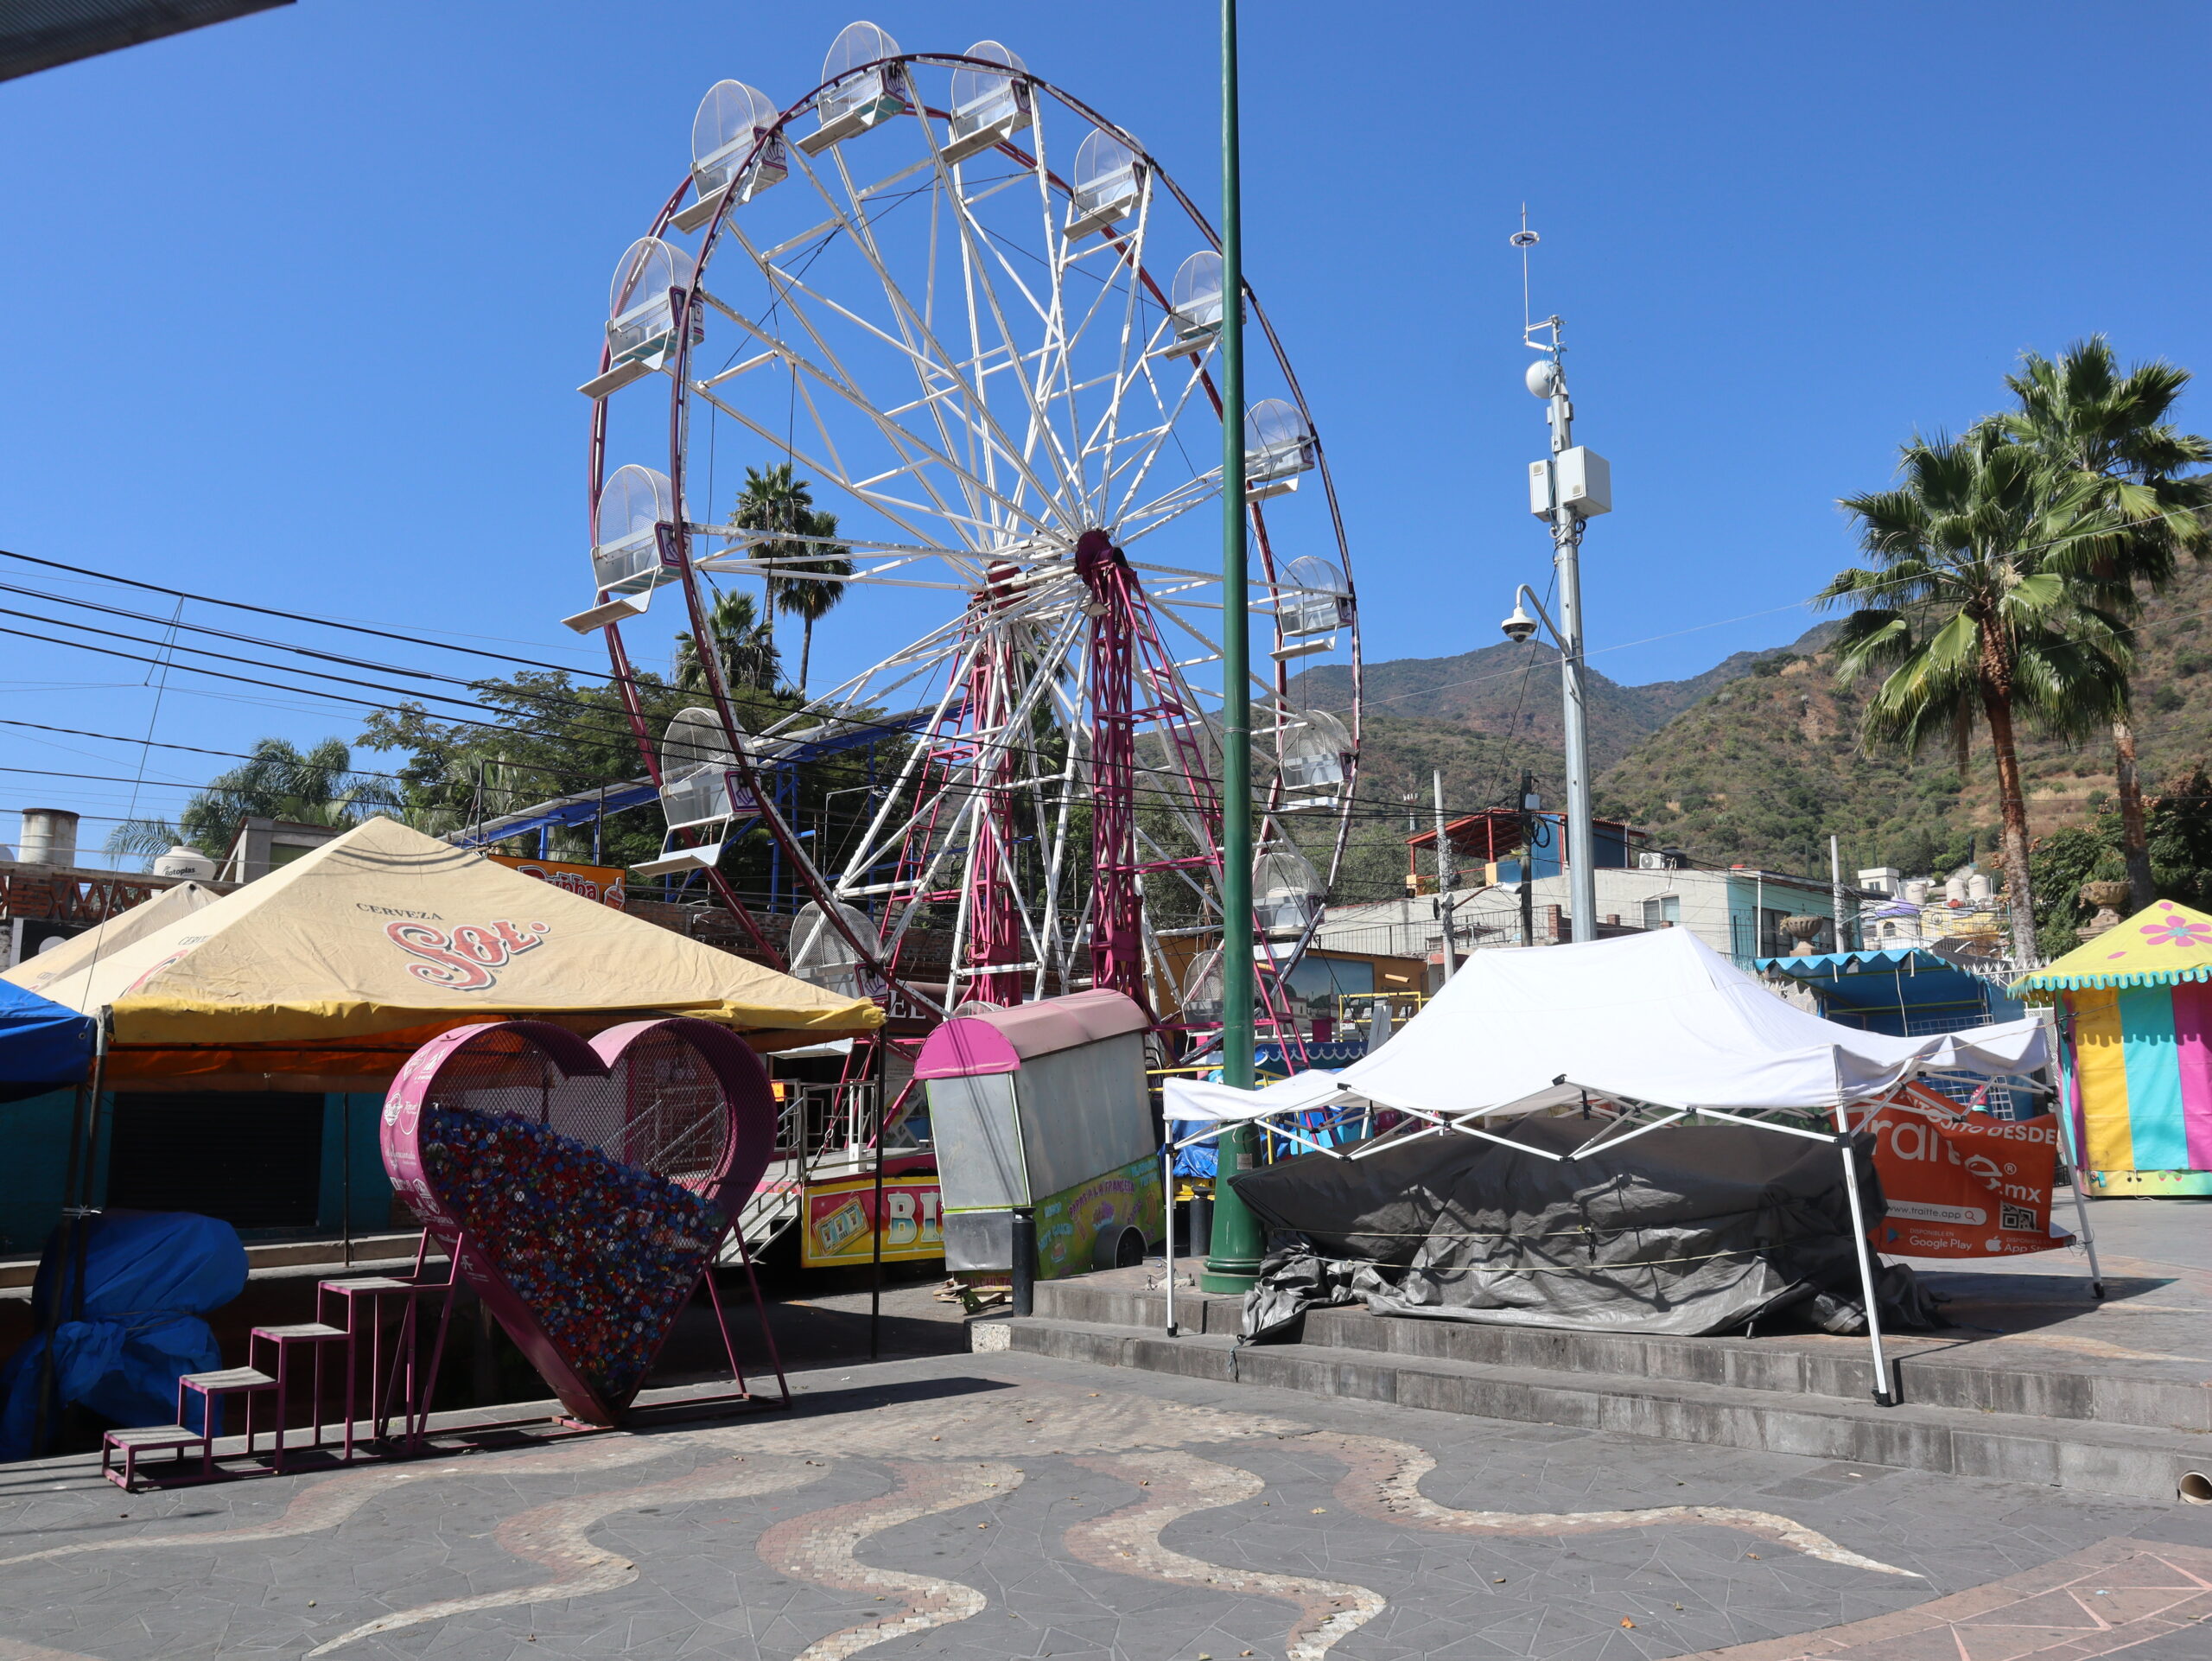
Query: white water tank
(1915,891)
(186,863)
(1954,890)
(1979,889)
(49,836)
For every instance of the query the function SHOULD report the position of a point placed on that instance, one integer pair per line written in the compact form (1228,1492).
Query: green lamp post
(1233,1261)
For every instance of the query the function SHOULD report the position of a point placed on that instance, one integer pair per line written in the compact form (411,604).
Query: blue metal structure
(779,760)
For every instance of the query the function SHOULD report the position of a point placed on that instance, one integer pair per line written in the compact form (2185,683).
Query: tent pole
(2089,1237)
(65,1261)
(1883,1398)
(1167,1237)
(2063,1109)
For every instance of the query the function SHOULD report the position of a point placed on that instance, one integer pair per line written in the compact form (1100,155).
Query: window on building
(1662,911)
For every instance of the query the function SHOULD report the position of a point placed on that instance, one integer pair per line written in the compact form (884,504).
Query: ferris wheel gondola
(979,321)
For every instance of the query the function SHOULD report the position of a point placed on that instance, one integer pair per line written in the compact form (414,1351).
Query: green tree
(2087,419)
(544,736)
(804,593)
(745,647)
(278,781)
(1984,606)
(2178,822)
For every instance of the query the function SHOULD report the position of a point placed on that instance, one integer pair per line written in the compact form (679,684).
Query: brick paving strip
(2112,1596)
(820,1547)
(325,1505)
(1383,1480)
(554,1536)
(1126,1542)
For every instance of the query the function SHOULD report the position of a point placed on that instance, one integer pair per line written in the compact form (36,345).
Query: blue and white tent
(43,1046)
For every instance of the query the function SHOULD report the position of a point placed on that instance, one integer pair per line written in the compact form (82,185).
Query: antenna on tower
(1524,239)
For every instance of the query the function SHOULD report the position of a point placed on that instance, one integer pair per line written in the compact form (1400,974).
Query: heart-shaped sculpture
(584,1186)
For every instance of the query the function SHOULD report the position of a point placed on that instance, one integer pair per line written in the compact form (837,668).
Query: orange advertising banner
(1962,1185)
(599,883)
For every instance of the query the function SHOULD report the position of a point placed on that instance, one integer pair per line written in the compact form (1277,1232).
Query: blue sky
(299,303)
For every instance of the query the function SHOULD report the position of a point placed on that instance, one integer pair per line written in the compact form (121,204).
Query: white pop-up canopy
(1659,1018)
(1656,1020)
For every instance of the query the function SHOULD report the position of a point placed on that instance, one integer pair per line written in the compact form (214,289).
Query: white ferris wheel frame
(1022,498)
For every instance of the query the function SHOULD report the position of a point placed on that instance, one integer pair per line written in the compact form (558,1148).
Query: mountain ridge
(1508,689)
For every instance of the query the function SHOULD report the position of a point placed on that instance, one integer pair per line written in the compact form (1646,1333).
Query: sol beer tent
(342,962)
(2135,1023)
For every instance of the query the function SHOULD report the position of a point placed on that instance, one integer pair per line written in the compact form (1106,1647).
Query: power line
(292,616)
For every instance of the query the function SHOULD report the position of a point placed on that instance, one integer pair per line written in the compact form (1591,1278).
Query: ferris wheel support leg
(1118,922)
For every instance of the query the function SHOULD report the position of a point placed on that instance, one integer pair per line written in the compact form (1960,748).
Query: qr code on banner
(2015,1217)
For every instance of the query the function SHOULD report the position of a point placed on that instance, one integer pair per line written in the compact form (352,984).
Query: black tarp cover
(1692,1229)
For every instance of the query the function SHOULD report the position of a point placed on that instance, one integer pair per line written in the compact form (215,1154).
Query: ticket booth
(1044,1106)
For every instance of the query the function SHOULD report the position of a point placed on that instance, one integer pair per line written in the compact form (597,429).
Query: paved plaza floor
(1008,1505)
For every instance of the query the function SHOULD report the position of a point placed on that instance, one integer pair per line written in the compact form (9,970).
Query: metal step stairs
(274,1354)
(772,1212)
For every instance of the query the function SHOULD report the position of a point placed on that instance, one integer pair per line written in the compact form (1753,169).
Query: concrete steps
(2105,1430)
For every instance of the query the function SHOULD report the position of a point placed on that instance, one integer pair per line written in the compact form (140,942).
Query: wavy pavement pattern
(1383,1480)
(1026,1423)
(327,1504)
(821,1547)
(555,1535)
(1128,1542)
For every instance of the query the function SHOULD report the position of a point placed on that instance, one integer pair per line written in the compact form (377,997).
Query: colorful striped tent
(2135,1022)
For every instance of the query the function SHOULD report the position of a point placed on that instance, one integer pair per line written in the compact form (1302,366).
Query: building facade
(1738,913)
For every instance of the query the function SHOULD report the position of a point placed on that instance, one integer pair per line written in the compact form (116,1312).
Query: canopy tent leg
(2089,1236)
(2063,1109)
(1883,1398)
(1167,1235)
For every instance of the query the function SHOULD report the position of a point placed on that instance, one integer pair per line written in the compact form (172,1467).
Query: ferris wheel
(979,321)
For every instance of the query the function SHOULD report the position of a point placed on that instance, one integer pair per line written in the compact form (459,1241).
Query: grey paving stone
(700,1588)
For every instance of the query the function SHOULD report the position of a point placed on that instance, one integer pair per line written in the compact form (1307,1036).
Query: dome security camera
(1519,626)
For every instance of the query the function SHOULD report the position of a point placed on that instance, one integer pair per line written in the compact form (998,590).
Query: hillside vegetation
(1757,760)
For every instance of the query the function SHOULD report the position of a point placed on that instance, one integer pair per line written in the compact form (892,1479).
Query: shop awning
(1899,983)
(2164,944)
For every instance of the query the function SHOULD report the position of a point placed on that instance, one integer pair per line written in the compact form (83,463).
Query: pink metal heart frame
(695,1120)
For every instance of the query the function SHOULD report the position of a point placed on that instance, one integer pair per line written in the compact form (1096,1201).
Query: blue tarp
(149,1277)
(43,1046)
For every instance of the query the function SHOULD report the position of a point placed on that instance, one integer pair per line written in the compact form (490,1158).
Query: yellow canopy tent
(333,970)
(71,955)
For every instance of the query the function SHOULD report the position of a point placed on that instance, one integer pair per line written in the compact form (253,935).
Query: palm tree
(812,600)
(278,781)
(1990,600)
(745,647)
(777,505)
(2087,420)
